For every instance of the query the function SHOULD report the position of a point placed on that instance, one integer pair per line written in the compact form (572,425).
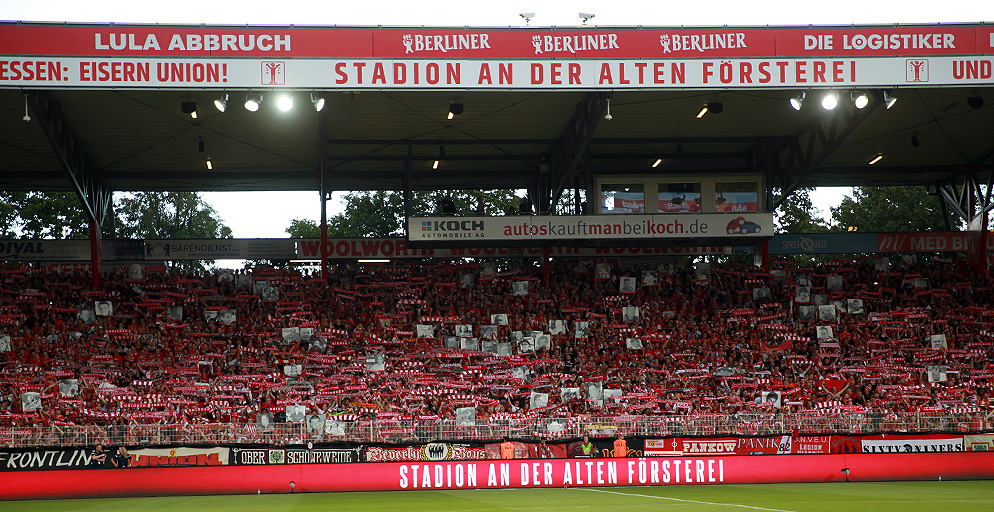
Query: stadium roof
(140,139)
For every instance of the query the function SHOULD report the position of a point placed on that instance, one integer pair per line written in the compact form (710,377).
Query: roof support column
(323,171)
(76,161)
(569,152)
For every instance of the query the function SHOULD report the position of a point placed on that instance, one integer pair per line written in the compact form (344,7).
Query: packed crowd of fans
(463,341)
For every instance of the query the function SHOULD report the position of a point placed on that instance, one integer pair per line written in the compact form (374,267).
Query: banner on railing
(271,455)
(33,459)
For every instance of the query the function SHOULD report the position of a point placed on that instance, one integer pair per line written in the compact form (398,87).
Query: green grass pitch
(973,496)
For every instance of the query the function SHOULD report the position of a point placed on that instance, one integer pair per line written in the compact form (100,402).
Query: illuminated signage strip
(117,73)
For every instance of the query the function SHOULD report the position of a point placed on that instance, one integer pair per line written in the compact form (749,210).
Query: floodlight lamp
(284,102)
(704,110)
(252,102)
(876,159)
(210,165)
(657,162)
(715,107)
(889,100)
(317,101)
(455,109)
(797,101)
(859,99)
(434,165)
(830,100)
(189,107)
(975,101)
(222,102)
(527,16)
(586,16)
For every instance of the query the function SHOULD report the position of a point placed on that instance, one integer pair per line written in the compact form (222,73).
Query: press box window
(679,197)
(736,196)
(617,198)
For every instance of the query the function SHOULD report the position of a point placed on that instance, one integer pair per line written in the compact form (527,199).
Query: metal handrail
(392,431)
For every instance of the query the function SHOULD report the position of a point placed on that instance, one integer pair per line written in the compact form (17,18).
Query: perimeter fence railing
(424,431)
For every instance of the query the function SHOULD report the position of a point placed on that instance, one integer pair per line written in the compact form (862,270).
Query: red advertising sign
(184,42)
(924,242)
(878,41)
(451,475)
(489,43)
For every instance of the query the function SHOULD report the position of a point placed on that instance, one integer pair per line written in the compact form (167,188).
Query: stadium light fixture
(189,107)
(975,101)
(797,101)
(454,110)
(914,140)
(859,99)
(586,16)
(704,110)
(830,100)
(657,162)
(876,159)
(222,102)
(200,145)
(527,16)
(318,101)
(252,102)
(715,107)
(889,100)
(210,165)
(284,102)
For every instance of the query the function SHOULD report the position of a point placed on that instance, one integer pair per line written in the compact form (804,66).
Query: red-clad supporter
(850,338)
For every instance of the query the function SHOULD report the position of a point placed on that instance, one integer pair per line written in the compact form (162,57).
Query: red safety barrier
(496,474)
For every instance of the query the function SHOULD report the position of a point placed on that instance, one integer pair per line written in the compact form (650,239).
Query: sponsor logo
(445,43)
(452,228)
(575,43)
(917,70)
(436,451)
(317,456)
(273,73)
(701,42)
(696,446)
(13,250)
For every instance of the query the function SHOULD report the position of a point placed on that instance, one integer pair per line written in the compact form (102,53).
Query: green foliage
(55,215)
(890,209)
(798,215)
(170,215)
(304,228)
(381,214)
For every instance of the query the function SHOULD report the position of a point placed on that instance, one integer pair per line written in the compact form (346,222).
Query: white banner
(465,74)
(219,249)
(593,227)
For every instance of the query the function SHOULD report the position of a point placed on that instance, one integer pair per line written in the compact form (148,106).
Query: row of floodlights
(830,100)
(284,101)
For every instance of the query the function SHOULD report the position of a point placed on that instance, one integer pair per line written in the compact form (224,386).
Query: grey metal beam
(568,152)
(813,144)
(72,155)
